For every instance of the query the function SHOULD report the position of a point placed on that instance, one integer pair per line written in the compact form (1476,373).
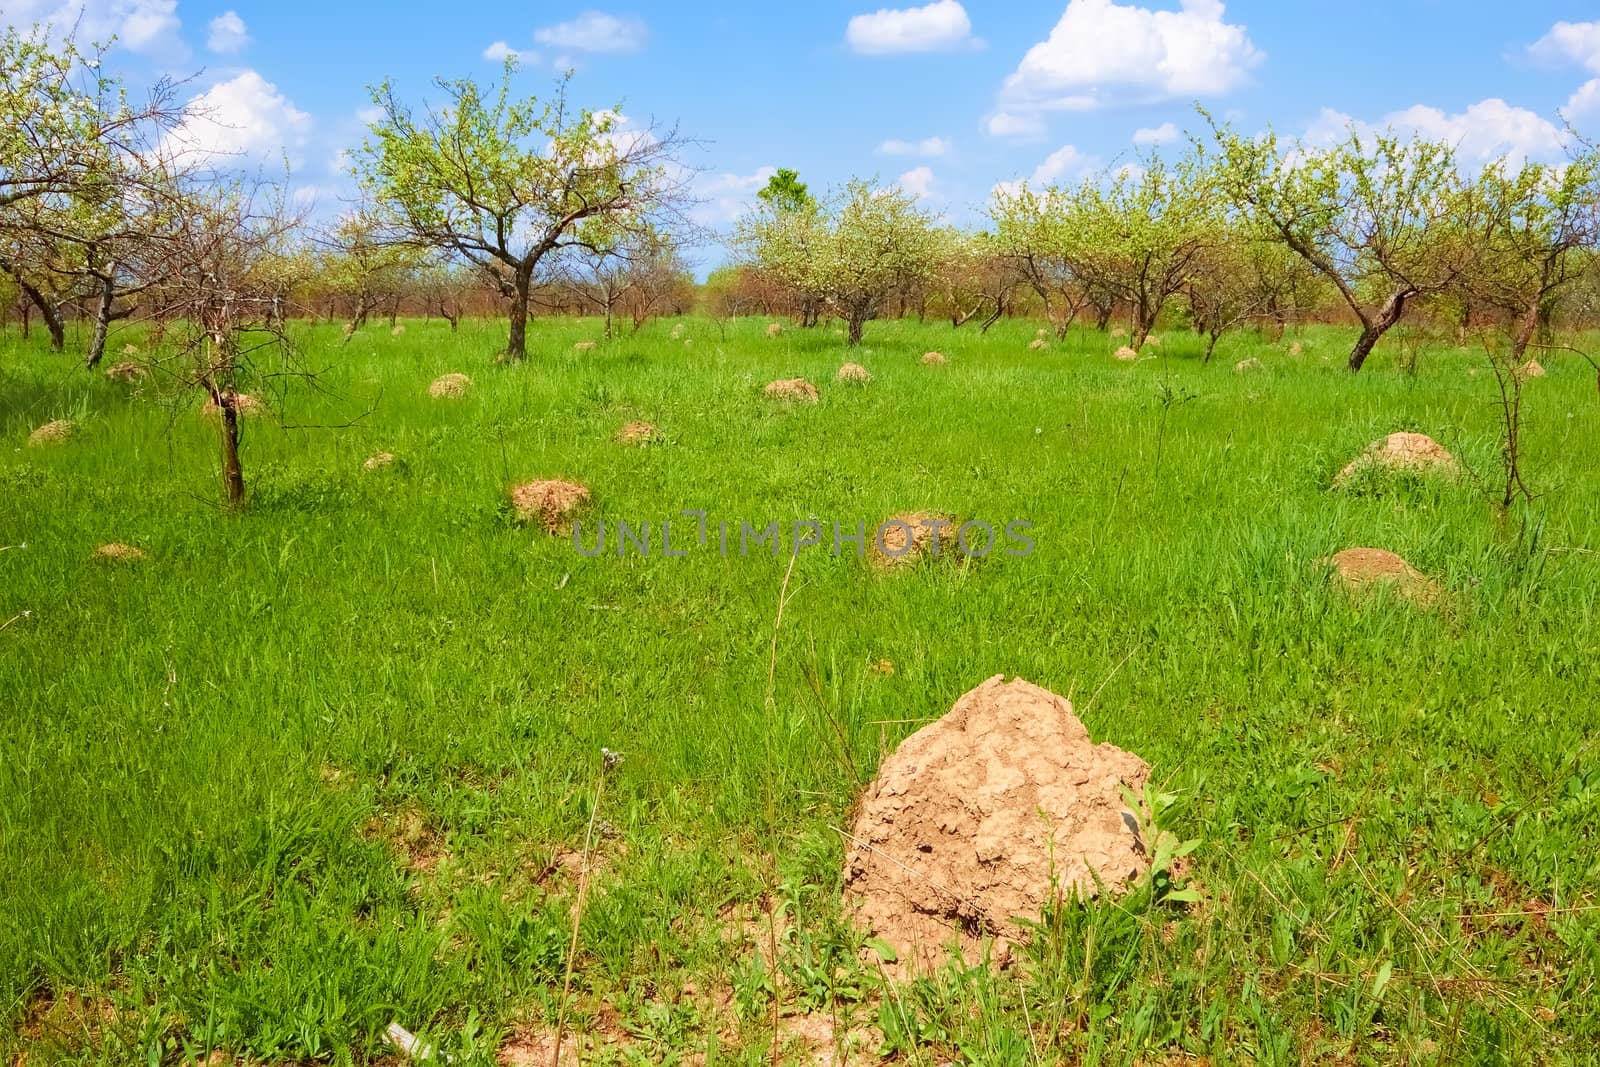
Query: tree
(785,191)
(222,258)
(368,270)
(501,181)
(77,162)
(1139,234)
(1371,216)
(1033,233)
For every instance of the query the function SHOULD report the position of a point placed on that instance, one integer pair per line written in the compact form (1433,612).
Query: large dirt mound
(449,386)
(977,818)
(1363,570)
(853,372)
(908,537)
(793,389)
(1402,452)
(550,503)
(52,433)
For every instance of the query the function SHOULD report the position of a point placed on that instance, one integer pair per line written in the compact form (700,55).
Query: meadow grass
(326,764)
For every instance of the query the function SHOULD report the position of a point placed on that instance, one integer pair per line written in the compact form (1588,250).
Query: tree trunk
(517,344)
(232,469)
(102,322)
(1375,327)
(999,310)
(51,315)
(856,322)
(1102,316)
(1211,346)
(27,319)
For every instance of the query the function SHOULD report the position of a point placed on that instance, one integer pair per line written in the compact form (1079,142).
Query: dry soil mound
(549,503)
(637,433)
(378,460)
(853,372)
(1531,369)
(1248,364)
(1038,344)
(1295,349)
(1361,570)
(1118,333)
(127,371)
(933,359)
(118,552)
(792,389)
(583,346)
(1152,339)
(976,816)
(398,329)
(52,433)
(908,537)
(449,386)
(774,329)
(1402,451)
(1126,354)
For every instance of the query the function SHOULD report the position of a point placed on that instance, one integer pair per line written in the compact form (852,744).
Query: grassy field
(331,763)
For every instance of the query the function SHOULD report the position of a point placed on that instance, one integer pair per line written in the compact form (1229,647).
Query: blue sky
(946,98)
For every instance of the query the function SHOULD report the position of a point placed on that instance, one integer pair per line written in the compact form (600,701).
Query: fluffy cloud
(1065,163)
(724,197)
(1570,42)
(595,31)
(1104,54)
(1489,129)
(227,34)
(937,27)
(148,27)
(499,52)
(1158,135)
(1585,103)
(918,182)
(928,147)
(244,120)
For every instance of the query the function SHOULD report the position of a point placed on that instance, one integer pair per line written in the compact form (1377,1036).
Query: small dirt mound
(52,433)
(793,389)
(117,552)
(853,372)
(637,433)
(1531,369)
(977,818)
(677,332)
(1152,340)
(933,359)
(130,350)
(550,503)
(1401,452)
(127,372)
(1041,332)
(1295,349)
(908,537)
(584,346)
(1249,364)
(244,405)
(450,386)
(1362,570)
(1118,333)
(774,329)
(399,328)
(1038,344)
(1127,354)
(378,461)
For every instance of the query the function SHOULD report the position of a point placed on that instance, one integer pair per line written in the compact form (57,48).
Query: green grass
(313,768)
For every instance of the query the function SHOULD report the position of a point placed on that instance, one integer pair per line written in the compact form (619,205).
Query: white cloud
(244,119)
(227,34)
(148,27)
(595,31)
(1158,135)
(1104,54)
(1006,124)
(724,197)
(499,52)
(1489,129)
(939,26)
(1065,163)
(917,182)
(1570,42)
(1585,103)
(928,147)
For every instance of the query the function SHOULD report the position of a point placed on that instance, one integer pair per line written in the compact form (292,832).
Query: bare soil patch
(550,502)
